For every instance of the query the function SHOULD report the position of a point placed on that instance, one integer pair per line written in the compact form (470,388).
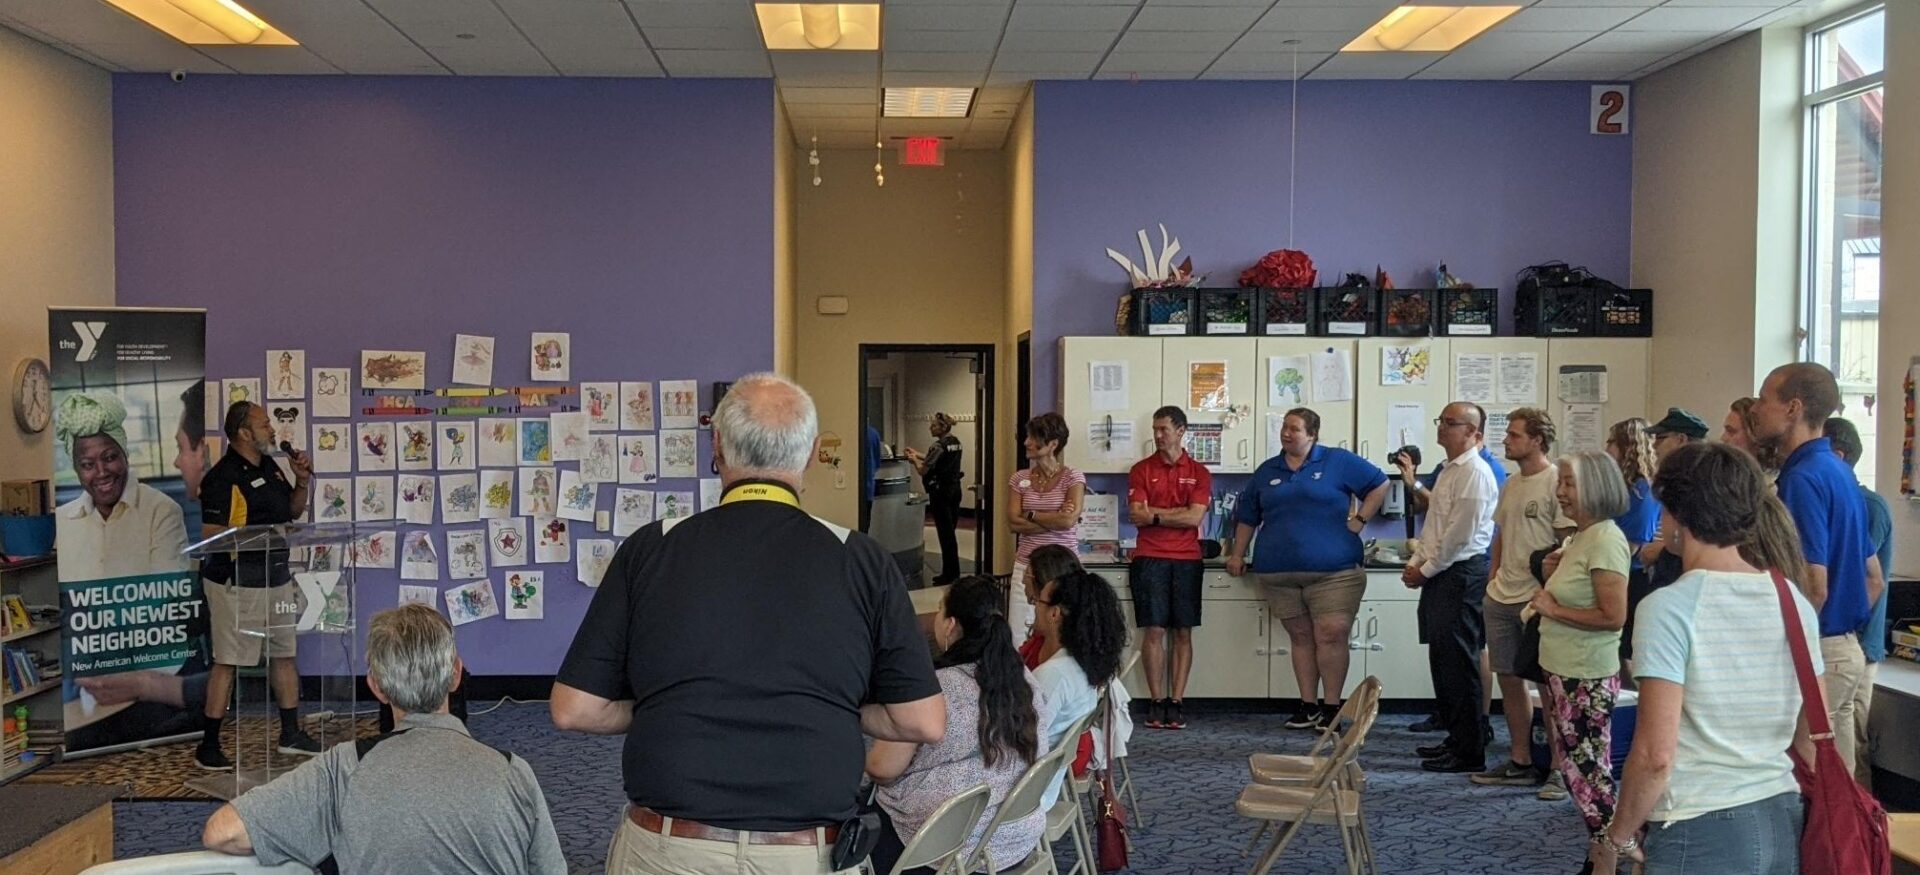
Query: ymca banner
(129,426)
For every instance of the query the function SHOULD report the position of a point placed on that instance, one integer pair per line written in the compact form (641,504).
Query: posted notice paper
(1108,384)
(1519,378)
(1473,378)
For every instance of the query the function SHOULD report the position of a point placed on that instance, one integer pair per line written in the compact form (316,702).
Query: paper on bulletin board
(1111,439)
(1101,519)
(1207,387)
(1332,376)
(1287,381)
(1275,422)
(1203,442)
(1406,424)
(1583,384)
(1519,378)
(1473,378)
(1496,429)
(1583,429)
(1405,365)
(1107,382)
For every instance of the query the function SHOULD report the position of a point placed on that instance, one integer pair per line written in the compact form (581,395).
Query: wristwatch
(1029,516)
(1156,519)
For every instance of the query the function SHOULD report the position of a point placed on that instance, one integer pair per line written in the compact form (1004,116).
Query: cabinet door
(1180,358)
(1230,652)
(1628,388)
(1497,403)
(1092,450)
(1378,401)
(1336,417)
(1391,631)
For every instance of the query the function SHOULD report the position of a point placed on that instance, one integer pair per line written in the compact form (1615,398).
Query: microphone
(286,447)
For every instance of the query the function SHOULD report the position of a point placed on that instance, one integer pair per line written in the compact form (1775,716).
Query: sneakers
(1307,716)
(1174,718)
(1555,789)
(1431,724)
(1156,714)
(298,743)
(1511,774)
(212,759)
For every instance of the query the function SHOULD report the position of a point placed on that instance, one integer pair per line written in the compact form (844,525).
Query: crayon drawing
(393,369)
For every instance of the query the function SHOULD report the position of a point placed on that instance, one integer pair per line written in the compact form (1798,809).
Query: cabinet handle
(1373,627)
(1354,644)
(1377,647)
(1363,449)
(1263,621)
(1244,444)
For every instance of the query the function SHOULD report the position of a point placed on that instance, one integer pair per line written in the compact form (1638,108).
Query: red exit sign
(923,152)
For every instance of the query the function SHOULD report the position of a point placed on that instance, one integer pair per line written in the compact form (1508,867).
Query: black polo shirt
(235,493)
(748,636)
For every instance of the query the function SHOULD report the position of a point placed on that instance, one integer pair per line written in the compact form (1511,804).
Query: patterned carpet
(1422,824)
(160,772)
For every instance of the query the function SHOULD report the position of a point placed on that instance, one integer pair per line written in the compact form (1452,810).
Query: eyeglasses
(1444,422)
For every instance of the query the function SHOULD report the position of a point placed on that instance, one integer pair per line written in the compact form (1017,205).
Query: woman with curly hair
(1085,633)
(1632,449)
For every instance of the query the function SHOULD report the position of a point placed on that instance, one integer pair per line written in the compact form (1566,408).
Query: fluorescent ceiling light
(801,27)
(206,22)
(928,102)
(1428,28)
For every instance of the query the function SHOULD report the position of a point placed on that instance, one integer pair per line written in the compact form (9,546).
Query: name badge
(258,482)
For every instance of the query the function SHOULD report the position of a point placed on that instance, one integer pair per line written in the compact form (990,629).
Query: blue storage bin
(1626,713)
(26,535)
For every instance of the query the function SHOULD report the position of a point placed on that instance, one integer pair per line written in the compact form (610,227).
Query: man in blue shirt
(1824,499)
(1873,638)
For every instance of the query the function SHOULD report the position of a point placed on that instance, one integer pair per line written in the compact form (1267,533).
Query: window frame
(1811,102)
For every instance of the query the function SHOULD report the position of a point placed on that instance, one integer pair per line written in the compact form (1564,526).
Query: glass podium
(290,602)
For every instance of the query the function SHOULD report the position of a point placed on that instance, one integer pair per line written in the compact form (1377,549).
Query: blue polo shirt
(1642,519)
(1307,510)
(1824,499)
(1873,639)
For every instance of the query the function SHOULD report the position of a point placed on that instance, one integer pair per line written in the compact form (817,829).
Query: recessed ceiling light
(1428,28)
(803,27)
(206,22)
(927,102)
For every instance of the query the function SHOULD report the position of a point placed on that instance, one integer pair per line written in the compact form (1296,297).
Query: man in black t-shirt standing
(247,488)
(743,651)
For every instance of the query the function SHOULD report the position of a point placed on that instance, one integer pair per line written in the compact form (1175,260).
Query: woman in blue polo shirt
(1309,561)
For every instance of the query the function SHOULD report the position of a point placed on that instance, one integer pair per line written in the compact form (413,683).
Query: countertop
(35,810)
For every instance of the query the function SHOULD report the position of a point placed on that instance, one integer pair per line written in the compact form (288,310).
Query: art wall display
(636,406)
(467,554)
(472,360)
(567,435)
(416,445)
(470,602)
(499,443)
(374,446)
(333,499)
(374,501)
(393,369)
(507,542)
(373,549)
(418,560)
(601,463)
(639,459)
(496,493)
(459,498)
(578,498)
(632,510)
(537,491)
(332,393)
(417,498)
(526,594)
(601,403)
(331,450)
(535,443)
(591,558)
(680,454)
(552,356)
(286,374)
(237,390)
(552,540)
(679,404)
(414,594)
(289,421)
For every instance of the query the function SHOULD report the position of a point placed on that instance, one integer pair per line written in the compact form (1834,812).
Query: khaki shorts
(1293,594)
(1504,630)
(244,621)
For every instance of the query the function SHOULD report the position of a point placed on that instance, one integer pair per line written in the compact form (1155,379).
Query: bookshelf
(30,591)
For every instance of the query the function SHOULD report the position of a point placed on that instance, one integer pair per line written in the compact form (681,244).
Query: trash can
(898,518)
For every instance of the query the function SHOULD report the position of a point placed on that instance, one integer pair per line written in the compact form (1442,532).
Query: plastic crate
(1469,312)
(1623,313)
(1287,312)
(1225,312)
(1161,312)
(1346,311)
(1564,311)
(1407,312)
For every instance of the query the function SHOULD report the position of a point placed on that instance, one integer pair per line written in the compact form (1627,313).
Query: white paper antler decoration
(1158,268)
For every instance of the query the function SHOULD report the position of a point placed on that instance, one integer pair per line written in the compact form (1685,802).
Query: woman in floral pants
(1582,608)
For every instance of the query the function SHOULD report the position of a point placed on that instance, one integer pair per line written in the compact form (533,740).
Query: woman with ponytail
(1079,616)
(996,717)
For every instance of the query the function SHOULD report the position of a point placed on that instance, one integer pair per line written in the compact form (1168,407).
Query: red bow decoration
(1280,269)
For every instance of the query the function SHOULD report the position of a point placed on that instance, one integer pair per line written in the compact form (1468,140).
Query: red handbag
(1846,831)
(1110,825)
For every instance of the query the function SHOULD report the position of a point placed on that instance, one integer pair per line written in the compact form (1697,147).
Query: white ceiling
(999,45)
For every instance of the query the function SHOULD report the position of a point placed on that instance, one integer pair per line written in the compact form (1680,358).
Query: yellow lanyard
(761,491)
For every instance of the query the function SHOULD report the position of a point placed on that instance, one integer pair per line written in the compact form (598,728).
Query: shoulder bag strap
(1811,703)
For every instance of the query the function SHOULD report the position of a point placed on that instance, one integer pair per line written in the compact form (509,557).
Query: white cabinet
(1229,652)
(1497,405)
(1380,404)
(1181,359)
(1625,361)
(1336,417)
(1091,449)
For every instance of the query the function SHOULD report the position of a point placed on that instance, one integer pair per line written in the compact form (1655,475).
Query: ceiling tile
(1017,62)
(531,14)
(500,59)
(1030,16)
(1721,18)
(1592,65)
(270,60)
(793,94)
(830,110)
(939,62)
(923,79)
(730,64)
(1374,65)
(1641,4)
(1004,94)
(1059,40)
(1591,19)
(1205,45)
(923,127)
(1263,65)
(988,15)
(1665,43)
(1354,18)
(1028,77)
(900,39)
(710,38)
(1123,63)
(1261,4)
(1485,65)
(157,57)
(1499,43)
(404,12)
(1276,41)
(692,13)
(1195,18)
(846,69)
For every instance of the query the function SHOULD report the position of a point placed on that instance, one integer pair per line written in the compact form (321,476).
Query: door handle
(1263,621)
(1243,449)
(1376,647)
(1363,449)
(1373,627)
(1355,645)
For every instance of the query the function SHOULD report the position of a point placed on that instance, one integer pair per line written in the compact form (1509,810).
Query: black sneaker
(1156,714)
(1306,717)
(1431,724)
(1175,719)
(1511,774)
(298,743)
(1329,715)
(211,758)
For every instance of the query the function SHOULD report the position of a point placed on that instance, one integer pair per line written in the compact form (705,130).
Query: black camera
(1410,451)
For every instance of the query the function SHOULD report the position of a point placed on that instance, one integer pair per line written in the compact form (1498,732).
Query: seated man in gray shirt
(424,799)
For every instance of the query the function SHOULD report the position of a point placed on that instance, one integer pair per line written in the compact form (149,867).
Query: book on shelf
(14,616)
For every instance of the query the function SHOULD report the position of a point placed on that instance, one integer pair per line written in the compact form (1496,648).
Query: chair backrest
(1129,664)
(946,831)
(195,863)
(1023,801)
(1354,739)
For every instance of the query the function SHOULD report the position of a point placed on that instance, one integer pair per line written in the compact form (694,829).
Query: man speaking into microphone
(247,488)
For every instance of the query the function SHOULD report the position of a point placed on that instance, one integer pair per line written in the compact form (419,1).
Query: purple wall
(333,214)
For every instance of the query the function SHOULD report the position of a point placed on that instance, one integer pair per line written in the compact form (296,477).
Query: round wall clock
(32,396)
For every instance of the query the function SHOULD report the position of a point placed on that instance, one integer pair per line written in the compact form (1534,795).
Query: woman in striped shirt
(1045,504)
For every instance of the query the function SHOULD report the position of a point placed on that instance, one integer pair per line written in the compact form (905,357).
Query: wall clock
(32,396)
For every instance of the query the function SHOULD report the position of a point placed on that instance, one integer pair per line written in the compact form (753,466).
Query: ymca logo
(90,333)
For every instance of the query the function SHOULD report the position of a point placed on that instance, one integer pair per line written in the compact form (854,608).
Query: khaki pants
(1846,703)
(1863,746)
(636,851)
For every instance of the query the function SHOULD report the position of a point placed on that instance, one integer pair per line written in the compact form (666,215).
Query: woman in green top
(1582,608)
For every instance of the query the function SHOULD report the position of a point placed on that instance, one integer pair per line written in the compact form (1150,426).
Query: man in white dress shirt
(1449,567)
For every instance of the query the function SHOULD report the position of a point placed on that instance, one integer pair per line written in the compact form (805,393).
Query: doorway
(903,386)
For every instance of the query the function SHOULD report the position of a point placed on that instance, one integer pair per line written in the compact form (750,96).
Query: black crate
(1623,312)
(1226,312)
(1287,313)
(1346,311)
(1406,312)
(1564,311)
(1160,312)
(1469,312)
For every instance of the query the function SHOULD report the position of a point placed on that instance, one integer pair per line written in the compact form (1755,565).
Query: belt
(653,821)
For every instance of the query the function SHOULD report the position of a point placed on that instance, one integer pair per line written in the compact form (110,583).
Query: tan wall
(1900,241)
(785,173)
(921,260)
(1019,308)
(56,213)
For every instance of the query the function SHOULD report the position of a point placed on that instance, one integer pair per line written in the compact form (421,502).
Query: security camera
(178,75)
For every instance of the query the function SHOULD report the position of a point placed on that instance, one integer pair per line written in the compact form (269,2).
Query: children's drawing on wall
(639,458)
(286,374)
(551,540)
(466,554)
(499,446)
(333,503)
(1405,365)
(601,402)
(536,491)
(526,596)
(601,464)
(472,360)
(535,445)
(459,498)
(415,594)
(470,602)
(496,494)
(577,496)
(673,505)
(289,420)
(679,454)
(416,498)
(237,390)
(332,448)
(373,549)
(332,393)
(567,434)
(552,359)
(375,445)
(591,558)
(418,561)
(679,404)
(507,542)
(636,406)
(376,498)
(393,369)
(416,445)
(632,510)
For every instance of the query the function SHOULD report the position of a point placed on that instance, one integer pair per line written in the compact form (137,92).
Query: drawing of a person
(458,439)
(333,502)
(546,355)
(637,459)
(541,493)
(597,404)
(283,379)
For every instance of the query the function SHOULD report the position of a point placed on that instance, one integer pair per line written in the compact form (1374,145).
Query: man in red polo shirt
(1167,497)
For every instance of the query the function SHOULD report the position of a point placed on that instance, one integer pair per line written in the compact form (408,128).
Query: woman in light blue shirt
(1080,618)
